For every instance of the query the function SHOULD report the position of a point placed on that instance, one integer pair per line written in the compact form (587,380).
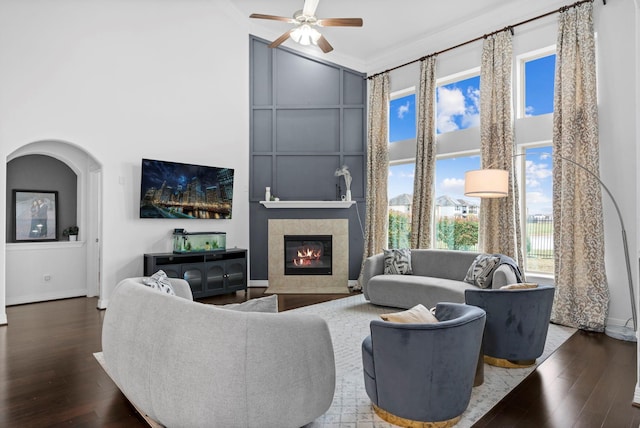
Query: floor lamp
(494,183)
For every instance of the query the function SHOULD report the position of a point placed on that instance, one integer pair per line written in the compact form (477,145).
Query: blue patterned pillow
(160,282)
(397,262)
(480,270)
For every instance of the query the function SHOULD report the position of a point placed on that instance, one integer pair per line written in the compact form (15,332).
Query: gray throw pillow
(479,271)
(397,262)
(262,304)
(159,281)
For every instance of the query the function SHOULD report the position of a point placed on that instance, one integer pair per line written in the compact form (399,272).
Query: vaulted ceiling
(395,29)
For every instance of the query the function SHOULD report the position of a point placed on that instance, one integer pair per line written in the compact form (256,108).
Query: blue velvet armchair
(423,372)
(517,323)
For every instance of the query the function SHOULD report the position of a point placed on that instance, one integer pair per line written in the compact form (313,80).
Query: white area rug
(348,321)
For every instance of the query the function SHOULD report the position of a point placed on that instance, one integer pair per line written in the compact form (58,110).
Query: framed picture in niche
(35,215)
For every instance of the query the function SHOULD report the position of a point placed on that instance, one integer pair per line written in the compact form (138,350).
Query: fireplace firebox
(307,254)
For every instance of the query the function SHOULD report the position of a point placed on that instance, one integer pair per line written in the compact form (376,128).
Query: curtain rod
(509,28)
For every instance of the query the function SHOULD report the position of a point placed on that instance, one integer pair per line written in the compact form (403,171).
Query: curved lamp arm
(486,183)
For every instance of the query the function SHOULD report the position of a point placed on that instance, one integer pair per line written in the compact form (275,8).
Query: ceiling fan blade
(340,22)
(277,42)
(309,8)
(272,17)
(324,44)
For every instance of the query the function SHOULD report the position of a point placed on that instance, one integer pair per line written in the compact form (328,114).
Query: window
(538,197)
(458,105)
(402,118)
(455,215)
(400,192)
(536,92)
(538,74)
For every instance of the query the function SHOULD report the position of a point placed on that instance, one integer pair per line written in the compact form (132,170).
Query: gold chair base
(508,364)
(408,423)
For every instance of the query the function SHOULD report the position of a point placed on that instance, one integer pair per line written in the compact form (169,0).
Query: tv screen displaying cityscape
(185,191)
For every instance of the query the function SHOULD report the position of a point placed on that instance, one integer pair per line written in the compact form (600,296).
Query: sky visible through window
(458,107)
(539,181)
(402,118)
(538,85)
(450,176)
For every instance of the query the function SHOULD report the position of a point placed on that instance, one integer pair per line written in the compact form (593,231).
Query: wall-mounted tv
(185,191)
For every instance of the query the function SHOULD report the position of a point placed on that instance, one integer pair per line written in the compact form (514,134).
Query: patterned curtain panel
(377,220)
(421,214)
(499,217)
(582,295)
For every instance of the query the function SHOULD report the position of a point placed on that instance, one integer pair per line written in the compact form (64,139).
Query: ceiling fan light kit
(305,35)
(305,22)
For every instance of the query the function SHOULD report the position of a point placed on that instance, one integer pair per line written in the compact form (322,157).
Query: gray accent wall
(308,117)
(45,173)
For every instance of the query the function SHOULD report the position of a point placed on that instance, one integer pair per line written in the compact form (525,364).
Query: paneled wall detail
(308,117)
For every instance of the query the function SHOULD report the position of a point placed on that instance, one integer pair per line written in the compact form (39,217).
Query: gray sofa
(185,363)
(438,276)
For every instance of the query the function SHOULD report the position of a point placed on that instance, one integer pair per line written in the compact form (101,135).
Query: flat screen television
(185,191)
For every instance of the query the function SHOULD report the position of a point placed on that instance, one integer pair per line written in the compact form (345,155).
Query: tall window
(402,138)
(535,91)
(458,109)
(456,216)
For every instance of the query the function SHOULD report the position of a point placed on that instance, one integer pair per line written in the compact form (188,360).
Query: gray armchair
(423,372)
(517,324)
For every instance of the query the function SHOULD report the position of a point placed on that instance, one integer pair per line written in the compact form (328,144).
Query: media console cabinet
(208,273)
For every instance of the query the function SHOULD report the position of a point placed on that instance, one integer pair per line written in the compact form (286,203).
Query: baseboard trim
(3,319)
(43,297)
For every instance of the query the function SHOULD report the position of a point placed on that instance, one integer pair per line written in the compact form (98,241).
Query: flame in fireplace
(307,256)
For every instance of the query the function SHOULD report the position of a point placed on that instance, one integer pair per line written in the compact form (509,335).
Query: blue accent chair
(517,323)
(423,372)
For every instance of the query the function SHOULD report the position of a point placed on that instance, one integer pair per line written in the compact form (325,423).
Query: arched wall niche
(38,271)
(40,173)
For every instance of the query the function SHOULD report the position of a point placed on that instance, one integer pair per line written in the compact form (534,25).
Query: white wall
(126,80)
(617,82)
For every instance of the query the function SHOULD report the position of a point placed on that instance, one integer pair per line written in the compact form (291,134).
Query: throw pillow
(159,281)
(263,304)
(519,286)
(397,262)
(480,270)
(416,315)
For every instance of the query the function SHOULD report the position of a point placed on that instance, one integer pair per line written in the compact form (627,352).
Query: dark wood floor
(49,377)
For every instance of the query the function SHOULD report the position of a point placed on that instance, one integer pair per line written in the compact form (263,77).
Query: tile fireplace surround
(334,283)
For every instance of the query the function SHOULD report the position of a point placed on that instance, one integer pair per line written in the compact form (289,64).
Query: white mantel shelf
(307,204)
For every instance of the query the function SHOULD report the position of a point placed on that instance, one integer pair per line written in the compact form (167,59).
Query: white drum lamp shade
(486,183)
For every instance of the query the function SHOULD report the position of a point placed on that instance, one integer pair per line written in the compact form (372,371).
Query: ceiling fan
(305,23)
